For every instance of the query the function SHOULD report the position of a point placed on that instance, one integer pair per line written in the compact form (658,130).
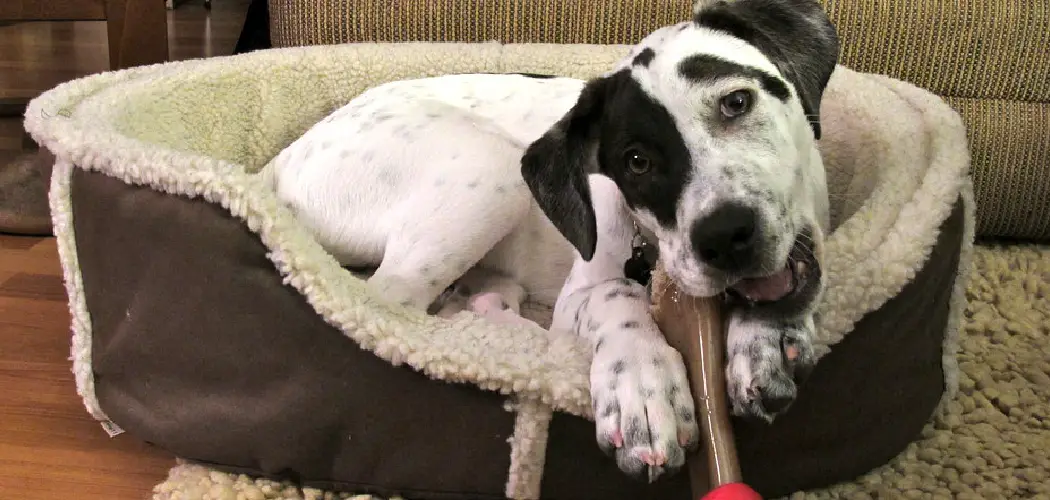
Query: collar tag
(639,267)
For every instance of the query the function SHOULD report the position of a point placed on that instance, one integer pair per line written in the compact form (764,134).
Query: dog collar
(639,267)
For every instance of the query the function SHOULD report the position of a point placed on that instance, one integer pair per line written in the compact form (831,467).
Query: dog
(701,142)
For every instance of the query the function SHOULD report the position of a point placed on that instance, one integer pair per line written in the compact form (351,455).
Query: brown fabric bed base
(198,347)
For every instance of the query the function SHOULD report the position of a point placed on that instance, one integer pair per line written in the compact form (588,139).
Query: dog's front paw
(643,409)
(766,365)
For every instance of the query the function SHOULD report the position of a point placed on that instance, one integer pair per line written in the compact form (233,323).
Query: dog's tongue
(768,288)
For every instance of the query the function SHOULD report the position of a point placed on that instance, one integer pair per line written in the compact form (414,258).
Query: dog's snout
(725,238)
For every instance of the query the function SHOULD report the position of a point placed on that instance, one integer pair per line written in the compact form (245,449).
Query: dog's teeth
(800,268)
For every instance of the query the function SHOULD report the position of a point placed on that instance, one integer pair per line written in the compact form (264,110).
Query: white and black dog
(702,142)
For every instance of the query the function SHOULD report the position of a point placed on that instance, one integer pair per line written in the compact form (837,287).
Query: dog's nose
(725,238)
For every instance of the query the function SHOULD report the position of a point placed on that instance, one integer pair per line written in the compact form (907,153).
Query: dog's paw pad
(492,306)
(487,303)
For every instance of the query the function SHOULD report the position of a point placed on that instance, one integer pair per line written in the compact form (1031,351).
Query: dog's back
(432,162)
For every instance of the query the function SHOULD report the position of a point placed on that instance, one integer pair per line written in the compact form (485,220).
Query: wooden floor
(50,448)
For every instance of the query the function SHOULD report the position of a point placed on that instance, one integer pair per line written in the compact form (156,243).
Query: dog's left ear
(556,166)
(796,35)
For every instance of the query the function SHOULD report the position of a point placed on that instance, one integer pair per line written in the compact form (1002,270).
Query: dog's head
(709,129)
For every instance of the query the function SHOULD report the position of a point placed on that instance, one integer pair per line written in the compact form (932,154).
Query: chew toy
(695,327)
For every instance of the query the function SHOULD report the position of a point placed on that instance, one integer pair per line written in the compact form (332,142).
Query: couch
(990,60)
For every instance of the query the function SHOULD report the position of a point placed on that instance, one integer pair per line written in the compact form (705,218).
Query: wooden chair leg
(12,107)
(138,32)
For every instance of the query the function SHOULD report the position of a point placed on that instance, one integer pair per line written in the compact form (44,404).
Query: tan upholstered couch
(990,59)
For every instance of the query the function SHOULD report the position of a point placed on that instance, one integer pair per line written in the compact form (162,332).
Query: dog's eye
(736,103)
(637,162)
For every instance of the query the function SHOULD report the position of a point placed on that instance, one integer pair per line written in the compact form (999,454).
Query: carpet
(991,441)
(24,181)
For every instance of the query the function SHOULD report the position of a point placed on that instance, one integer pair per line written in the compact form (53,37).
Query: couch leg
(12,107)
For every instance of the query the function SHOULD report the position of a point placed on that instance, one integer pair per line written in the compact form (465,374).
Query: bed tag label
(112,429)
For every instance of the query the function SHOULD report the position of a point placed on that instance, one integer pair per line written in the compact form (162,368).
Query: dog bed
(206,321)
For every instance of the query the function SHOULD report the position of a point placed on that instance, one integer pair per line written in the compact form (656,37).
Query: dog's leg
(488,293)
(767,361)
(643,408)
(420,262)
(445,230)
(492,290)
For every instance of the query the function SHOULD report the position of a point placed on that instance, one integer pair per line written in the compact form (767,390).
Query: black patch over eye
(637,162)
(736,103)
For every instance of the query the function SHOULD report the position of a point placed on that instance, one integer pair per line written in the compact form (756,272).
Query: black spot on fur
(432,283)
(613,294)
(616,115)
(472,184)
(633,428)
(619,367)
(673,391)
(796,35)
(630,324)
(634,121)
(658,362)
(598,345)
(706,68)
(610,410)
(503,305)
(686,415)
(644,57)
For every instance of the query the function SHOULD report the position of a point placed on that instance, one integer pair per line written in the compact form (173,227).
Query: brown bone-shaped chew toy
(696,328)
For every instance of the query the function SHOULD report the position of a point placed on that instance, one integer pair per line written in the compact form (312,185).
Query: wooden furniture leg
(138,35)
(138,32)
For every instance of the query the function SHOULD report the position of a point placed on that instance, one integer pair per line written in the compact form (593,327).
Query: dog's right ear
(796,35)
(556,166)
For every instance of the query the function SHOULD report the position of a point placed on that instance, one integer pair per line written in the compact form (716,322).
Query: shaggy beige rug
(992,441)
(24,181)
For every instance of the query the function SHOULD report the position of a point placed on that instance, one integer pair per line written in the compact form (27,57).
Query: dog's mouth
(795,282)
